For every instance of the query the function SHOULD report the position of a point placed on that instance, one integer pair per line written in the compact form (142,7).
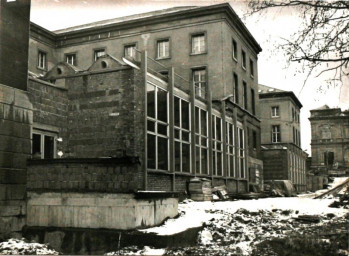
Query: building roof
(124,18)
(161,16)
(266,92)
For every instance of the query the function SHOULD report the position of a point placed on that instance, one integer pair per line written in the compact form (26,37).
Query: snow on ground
(194,214)
(21,247)
(337,181)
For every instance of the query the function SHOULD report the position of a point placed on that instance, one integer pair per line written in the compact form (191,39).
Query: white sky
(267,30)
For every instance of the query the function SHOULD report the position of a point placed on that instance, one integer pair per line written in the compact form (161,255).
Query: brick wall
(16,118)
(275,164)
(119,175)
(104,110)
(159,182)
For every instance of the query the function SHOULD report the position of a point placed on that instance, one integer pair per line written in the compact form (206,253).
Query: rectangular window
(253,102)
(43,145)
(42,60)
(198,44)
(275,133)
(71,59)
(230,149)
(182,135)
(201,141)
(243,62)
(241,152)
(130,51)
(251,68)
(157,132)
(275,112)
(236,88)
(98,53)
(244,95)
(163,48)
(199,80)
(293,114)
(217,136)
(235,50)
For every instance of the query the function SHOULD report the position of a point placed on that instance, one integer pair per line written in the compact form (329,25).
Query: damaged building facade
(200,119)
(118,110)
(283,157)
(329,141)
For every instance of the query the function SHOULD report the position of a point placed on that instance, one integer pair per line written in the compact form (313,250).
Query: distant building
(330,140)
(283,157)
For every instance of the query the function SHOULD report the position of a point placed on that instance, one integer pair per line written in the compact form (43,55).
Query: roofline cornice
(165,17)
(281,94)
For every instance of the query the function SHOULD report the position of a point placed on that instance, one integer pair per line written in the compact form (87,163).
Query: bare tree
(322,42)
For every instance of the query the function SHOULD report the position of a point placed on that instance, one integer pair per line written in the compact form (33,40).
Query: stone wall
(119,175)
(16,118)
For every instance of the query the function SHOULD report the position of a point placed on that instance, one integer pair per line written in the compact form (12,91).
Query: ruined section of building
(16,115)
(329,141)
(283,157)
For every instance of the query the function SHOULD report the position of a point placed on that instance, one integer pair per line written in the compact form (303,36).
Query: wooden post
(144,68)
(210,144)
(236,142)
(225,158)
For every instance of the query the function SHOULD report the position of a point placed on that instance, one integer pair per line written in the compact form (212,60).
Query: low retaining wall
(97,210)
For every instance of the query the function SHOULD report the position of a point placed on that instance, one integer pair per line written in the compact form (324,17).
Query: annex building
(283,157)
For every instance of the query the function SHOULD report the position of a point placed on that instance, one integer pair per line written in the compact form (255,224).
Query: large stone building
(283,157)
(330,141)
(119,107)
(215,78)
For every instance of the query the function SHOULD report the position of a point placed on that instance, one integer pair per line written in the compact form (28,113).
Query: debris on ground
(220,192)
(135,250)
(22,247)
(279,188)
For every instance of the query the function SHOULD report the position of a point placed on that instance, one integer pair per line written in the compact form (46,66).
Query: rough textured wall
(275,164)
(103,110)
(16,118)
(121,175)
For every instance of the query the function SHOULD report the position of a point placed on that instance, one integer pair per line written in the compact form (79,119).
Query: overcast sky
(267,29)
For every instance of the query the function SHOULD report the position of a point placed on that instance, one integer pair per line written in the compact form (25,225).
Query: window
(130,51)
(71,58)
(198,44)
(217,141)
(201,141)
(230,149)
(182,135)
(328,158)
(293,114)
(275,111)
(253,102)
(235,50)
(41,60)
(251,68)
(294,135)
(199,80)
(243,63)
(43,145)
(163,47)
(236,88)
(241,152)
(275,134)
(244,95)
(157,128)
(98,53)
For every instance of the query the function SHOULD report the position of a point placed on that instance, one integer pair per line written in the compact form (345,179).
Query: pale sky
(267,30)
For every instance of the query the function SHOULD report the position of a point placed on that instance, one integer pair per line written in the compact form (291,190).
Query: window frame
(277,133)
(200,82)
(129,45)
(66,55)
(230,144)
(251,68)
(236,87)
(43,134)
(244,95)
(217,146)
(201,136)
(235,50)
(44,67)
(197,34)
(94,56)
(243,60)
(272,111)
(160,40)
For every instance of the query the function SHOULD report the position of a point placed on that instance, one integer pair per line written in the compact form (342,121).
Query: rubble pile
(241,232)
(21,247)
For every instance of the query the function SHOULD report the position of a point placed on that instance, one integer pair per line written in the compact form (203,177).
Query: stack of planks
(200,189)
